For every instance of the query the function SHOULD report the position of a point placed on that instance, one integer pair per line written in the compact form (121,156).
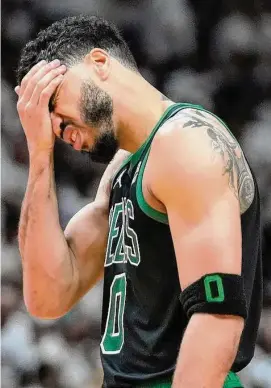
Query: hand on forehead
(40,75)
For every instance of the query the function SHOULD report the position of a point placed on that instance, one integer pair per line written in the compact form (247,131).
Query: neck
(138,111)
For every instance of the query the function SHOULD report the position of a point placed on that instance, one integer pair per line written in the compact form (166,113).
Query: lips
(73,137)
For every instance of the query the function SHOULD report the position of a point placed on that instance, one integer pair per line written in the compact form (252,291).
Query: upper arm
(198,184)
(87,231)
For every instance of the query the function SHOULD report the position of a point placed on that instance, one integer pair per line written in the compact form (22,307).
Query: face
(83,116)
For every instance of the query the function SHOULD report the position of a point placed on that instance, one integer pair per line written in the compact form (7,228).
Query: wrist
(40,148)
(40,158)
(40,153)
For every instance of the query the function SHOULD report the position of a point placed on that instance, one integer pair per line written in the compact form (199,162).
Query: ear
(100,62)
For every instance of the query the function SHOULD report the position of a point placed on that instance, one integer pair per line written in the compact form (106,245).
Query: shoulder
(195,150)
(194,127)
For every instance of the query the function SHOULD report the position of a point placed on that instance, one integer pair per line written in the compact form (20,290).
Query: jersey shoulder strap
(168,114)
(141,156)
(133,159)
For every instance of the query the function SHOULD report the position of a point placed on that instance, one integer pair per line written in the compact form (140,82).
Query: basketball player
(175,226)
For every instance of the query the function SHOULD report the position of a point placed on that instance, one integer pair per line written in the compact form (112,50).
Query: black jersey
(143,321)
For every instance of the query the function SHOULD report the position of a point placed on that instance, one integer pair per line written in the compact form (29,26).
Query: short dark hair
(70,39)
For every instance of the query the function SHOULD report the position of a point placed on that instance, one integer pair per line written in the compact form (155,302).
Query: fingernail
(55,62)
(43,62)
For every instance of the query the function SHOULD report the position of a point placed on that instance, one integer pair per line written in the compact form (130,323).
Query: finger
(47,92)
(30,74)
(44,82)
(17,90)
(36,78)
(27,93)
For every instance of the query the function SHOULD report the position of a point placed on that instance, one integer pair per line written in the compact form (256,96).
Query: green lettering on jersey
(127,246)
(113,232)
(119,255)
(132,251)
(113,337)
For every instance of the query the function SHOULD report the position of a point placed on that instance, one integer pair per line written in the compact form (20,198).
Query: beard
(96,110)
(104,149)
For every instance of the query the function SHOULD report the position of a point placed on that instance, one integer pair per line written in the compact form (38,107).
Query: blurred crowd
(216,53)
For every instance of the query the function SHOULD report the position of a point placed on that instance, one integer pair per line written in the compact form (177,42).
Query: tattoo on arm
(235,164)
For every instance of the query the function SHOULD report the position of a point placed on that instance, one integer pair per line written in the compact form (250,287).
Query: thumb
(17,90)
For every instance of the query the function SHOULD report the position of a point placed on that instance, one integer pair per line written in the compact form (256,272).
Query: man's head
(82,111)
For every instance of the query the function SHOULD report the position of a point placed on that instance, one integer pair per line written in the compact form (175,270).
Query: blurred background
(216,53)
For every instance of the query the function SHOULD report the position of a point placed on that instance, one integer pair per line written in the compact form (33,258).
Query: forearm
(208,350)
(47,264)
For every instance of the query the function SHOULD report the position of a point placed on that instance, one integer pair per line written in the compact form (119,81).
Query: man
(175,226)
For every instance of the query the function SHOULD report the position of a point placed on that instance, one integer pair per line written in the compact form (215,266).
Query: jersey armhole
(144,206)
(142,203)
